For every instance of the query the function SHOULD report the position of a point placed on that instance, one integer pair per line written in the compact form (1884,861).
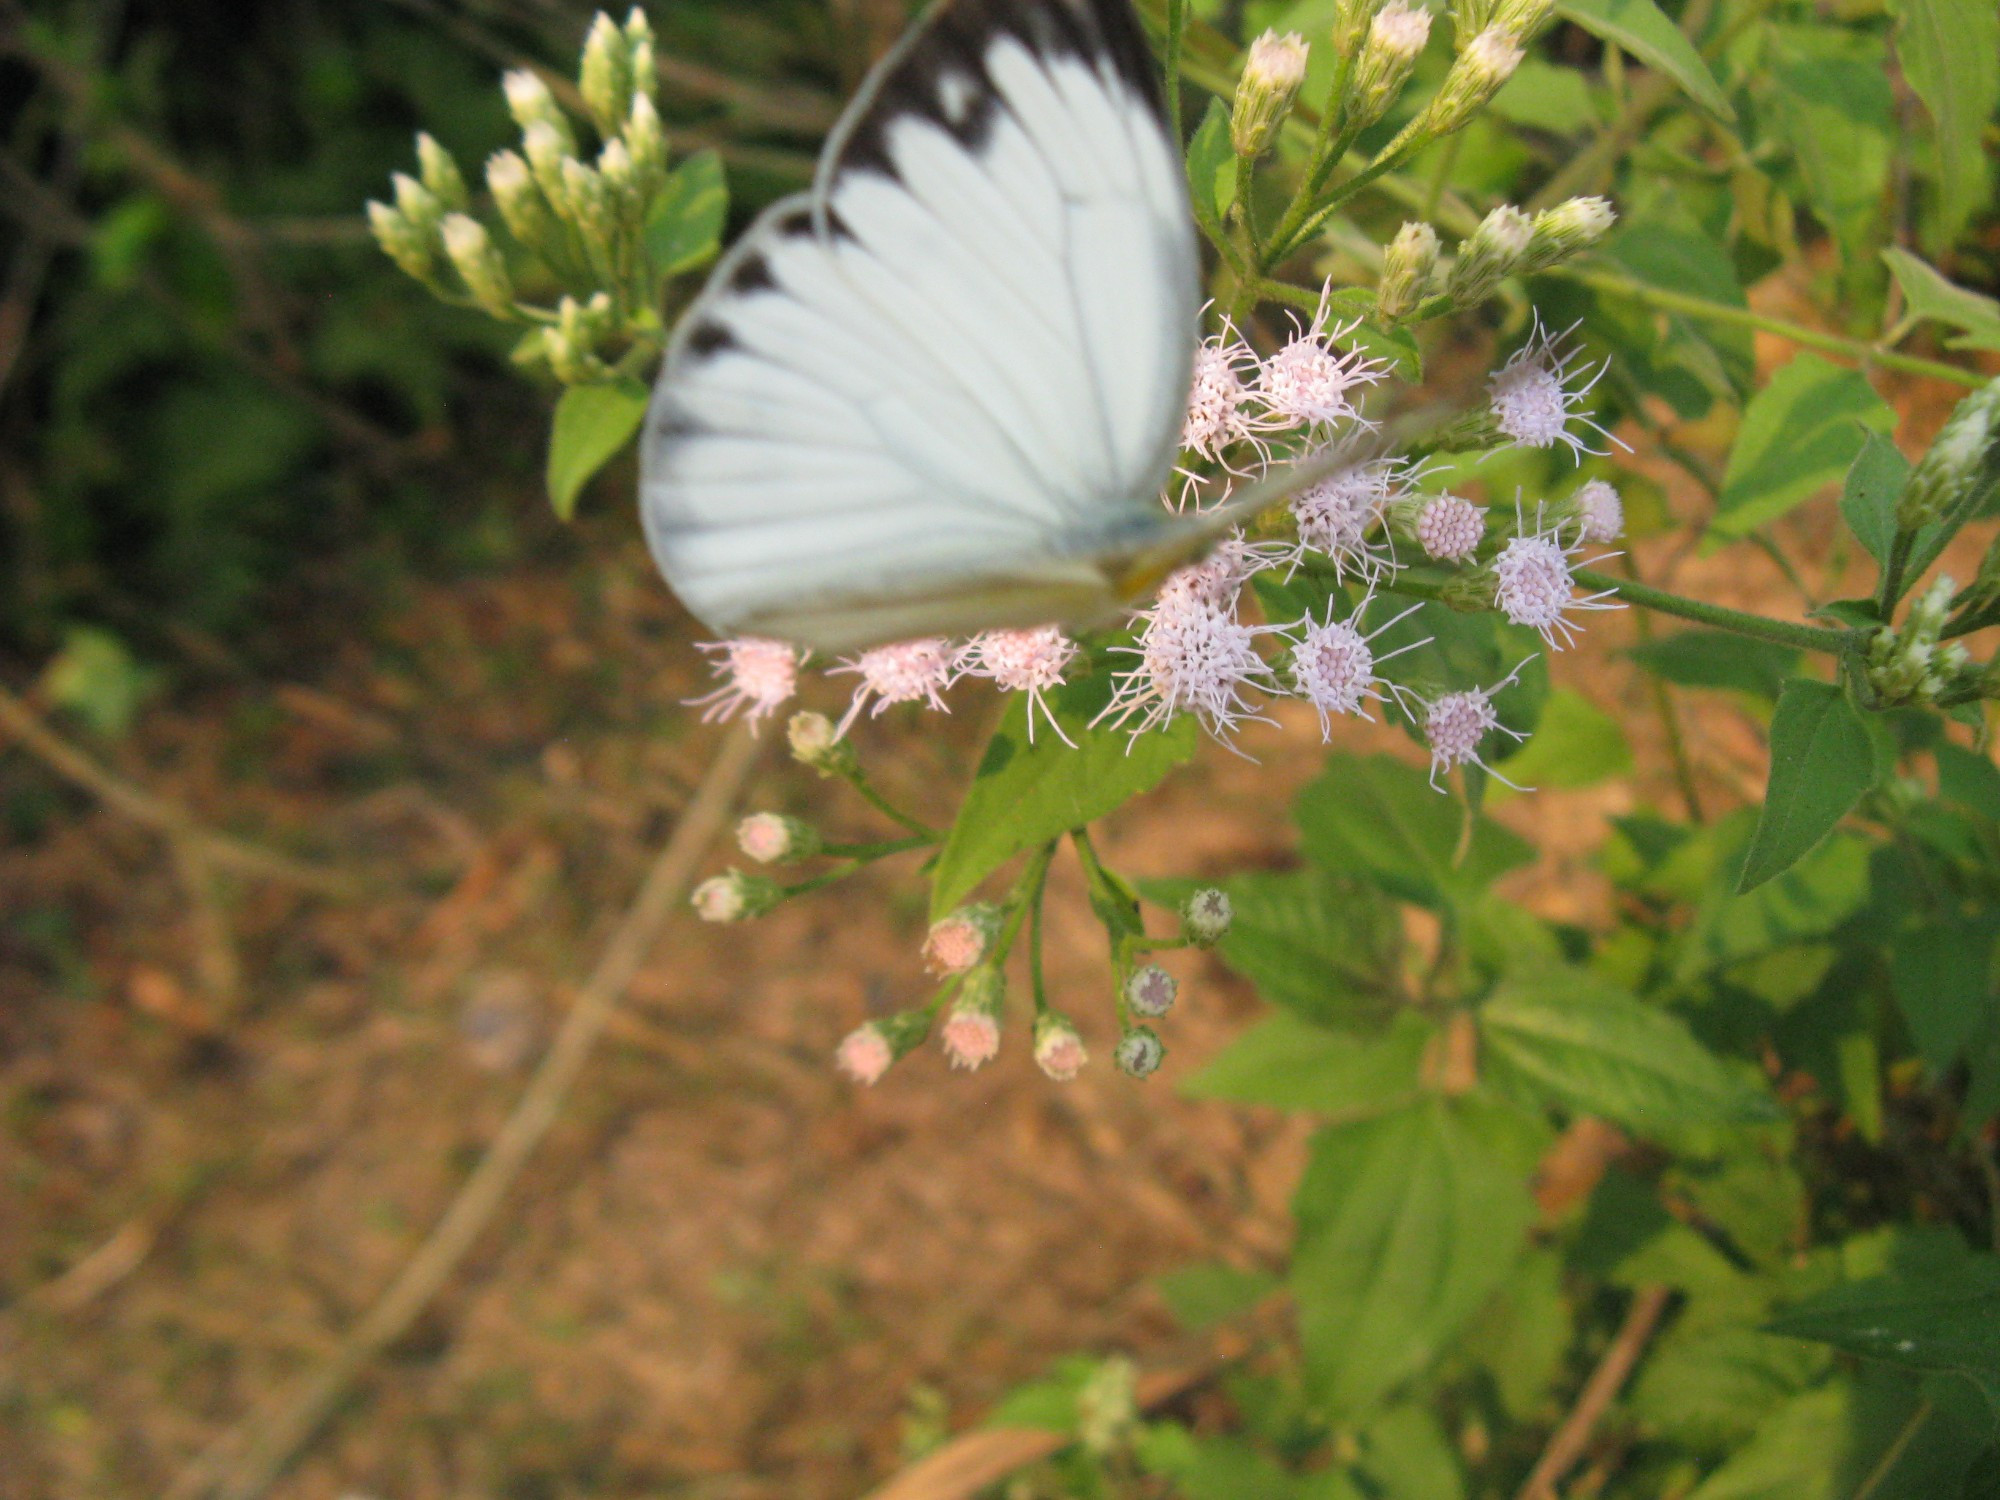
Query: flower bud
(401,242)
(1395,37)
(522,207)
(866,1052)
(1265,93)
(548,155)
(572,343)
(531,104)
(417,204)
(639,43)
(772,838)
(605,79)
(956,942)
(1408,268)
(1525,18)
(1350,25)
(816,743)
(479,264)
(1150,992)
(1488,61)
(1567,230)
(440,174)
(1059,1051)
(1492,251)
(621,186)
(1600,511)
(971,1035)
(1139,1052)
(733,896)
(647,141)
(1447,527)
(1205,916)
(588,198)
(1962,469)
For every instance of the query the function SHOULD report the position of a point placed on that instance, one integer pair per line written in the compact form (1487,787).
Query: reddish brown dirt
(726,1271)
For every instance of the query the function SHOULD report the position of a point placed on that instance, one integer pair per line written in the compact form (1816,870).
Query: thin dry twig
(1569,1441)
(156,812)
(265,1444)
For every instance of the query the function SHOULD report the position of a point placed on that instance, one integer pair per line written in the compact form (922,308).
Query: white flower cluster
(1194,652)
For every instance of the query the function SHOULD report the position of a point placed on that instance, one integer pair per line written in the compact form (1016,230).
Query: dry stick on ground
(271,1438)
(1570,1439)
(165,817)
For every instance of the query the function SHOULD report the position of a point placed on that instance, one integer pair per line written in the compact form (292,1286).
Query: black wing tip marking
(942,77)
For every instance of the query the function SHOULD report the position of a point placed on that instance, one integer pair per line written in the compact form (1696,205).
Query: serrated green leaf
(1406,1224)
(1798,435)
(1211,161)
(1868,497)
(684,229)
(1710,1387)
(1717,659)
(592,423)
(1594,1049)
(1027,793)
(1941,972)
(1290,1063)
(1209,1292)
(1832,103)
(1822,760)
(1950,52)
(1522,1335)
(1928,295)
(1576,744)
(1642,29)
(1377,818)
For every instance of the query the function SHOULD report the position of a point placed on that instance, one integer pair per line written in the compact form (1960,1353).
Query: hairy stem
(1779,632)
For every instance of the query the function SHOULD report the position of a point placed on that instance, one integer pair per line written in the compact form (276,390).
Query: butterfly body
(941,391)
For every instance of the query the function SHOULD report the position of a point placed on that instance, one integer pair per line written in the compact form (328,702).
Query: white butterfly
(941,391)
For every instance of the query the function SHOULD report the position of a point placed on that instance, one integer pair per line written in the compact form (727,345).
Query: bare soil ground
(229,1111)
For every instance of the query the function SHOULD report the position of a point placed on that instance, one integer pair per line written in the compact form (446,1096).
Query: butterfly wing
(933,393)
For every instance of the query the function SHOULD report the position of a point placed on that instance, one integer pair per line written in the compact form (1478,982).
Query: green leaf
(1378,818)
(1942,974)
(1929,296)
(1868,499)
(1717,659)
(1969,779)
(1593,1049)
(1642,29)
(1683,257)
(1211,163)
(684,229)
(1048,1404)
(1950,51)
(1209,1292)
(1798,1452)
(1407,1456)
(1211,1468)
(1292,1064)
(1544,97)
(593,422)
(1821,762)
(1576,744)
(1522,1335)
(1710,1387)
(1025,794)
(1832,103)
(96,678)
(1799,434)
(1406,1224)
(1941,1315)
(1328,949)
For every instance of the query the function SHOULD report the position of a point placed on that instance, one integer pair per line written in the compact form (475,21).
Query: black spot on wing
(941,75)
(709,337)
(751,274)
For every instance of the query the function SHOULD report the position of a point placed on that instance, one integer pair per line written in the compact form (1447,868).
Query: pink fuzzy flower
(864,1054)
(1532,399)
(1059,1051)
(1455,724)
(1601,511)
(757,674)
(1023,661)
(1194,657)
(1532,586)
(1450,529)
(1340,517)
(957,942)
(1333,665)
(971,1038)
(900,673)
(1310,383)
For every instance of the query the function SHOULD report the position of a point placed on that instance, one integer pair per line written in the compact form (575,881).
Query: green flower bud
(479,264)
(440,174)
(621,186)
(417,204)
(735,897)
(605,79)
(772,838)
(1395,37)
(815,743)
(647,142)
(572,343)
(868,1051)
(530,103)
(1568,229)
(639,42)
(1266,92)
(1487,61)
(588,200)
(1206,915)
(414,252)
(1525,18)
(522,206)
(1962,470)
(548,158)
(1350,26)
(1139,1052)
(1494,250)
(1409,266)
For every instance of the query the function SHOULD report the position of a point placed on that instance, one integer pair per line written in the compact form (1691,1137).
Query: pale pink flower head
(971,1039)
(1150,991)
(1193,658)
(1450,529)
(1333,665)
(1455,724)
(1532,585)
(1059,1051)
(1220,412)
(734,897)
(765,837)
(900,673)
(1309,382)
(1533,402)
(864,1054)
(1601,511)
(1023,661)
(1217,579)
(1139,1052)
(756,674)
(956,942)
(1341,515)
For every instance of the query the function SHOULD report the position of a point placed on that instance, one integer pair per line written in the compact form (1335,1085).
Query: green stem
(1670,722)
(1893,1454)
(1176,39)
(857,778)
(1889,588)
(1798,333)
(1026,894)
(1778,632)
(882,849)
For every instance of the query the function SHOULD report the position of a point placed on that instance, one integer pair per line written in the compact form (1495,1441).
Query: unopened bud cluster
(1509,242)
(1962,469)
(1272,76)
(582,219)
(1907,664)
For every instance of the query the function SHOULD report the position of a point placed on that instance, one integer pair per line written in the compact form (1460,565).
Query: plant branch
(1567,1444)
(269,1440)
(1892,1455)
(1779,632)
